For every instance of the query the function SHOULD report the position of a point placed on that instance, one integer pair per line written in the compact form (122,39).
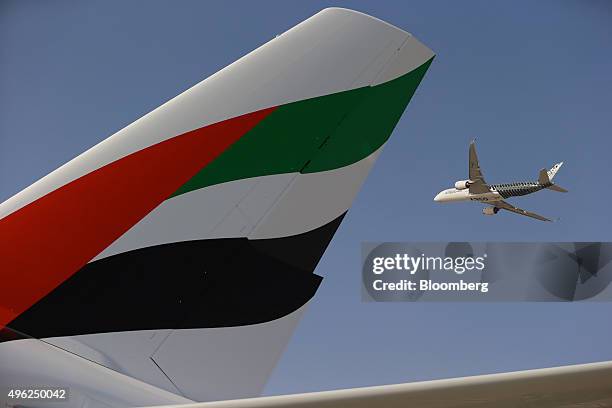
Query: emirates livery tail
(171,262)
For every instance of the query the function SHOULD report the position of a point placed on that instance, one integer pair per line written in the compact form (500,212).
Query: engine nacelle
(490,210)
(463,184)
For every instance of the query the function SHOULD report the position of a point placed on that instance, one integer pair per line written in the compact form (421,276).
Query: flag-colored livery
(196,229)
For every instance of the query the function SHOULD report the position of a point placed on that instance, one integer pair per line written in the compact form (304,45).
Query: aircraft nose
(438,197)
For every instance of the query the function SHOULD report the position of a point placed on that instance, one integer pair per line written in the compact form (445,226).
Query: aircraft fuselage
(496,192)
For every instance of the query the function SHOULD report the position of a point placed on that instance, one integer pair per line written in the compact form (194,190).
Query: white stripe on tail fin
(553,170)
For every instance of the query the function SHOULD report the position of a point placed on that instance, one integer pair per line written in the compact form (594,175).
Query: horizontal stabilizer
(557,188)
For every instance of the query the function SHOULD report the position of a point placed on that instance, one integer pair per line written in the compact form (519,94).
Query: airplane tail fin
(553,170)
(189,239)
(546,178)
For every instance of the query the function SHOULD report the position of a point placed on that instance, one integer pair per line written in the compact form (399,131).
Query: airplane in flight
(170,264)
(477,189)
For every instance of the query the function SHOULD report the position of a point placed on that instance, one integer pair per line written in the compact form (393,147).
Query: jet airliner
(477,189)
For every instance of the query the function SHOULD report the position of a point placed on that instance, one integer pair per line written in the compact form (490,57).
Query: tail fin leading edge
(543,177)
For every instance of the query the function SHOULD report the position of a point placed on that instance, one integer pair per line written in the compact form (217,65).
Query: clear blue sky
(531,80)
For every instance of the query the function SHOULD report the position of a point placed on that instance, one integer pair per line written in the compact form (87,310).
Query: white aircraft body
(477,189)
(171,263)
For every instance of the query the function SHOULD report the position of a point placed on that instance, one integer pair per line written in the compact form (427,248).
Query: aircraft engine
(490,210)
(462,184)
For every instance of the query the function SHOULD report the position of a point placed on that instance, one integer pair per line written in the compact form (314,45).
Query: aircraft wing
(479,184)
(474,171)
(509,207)
(586,385)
